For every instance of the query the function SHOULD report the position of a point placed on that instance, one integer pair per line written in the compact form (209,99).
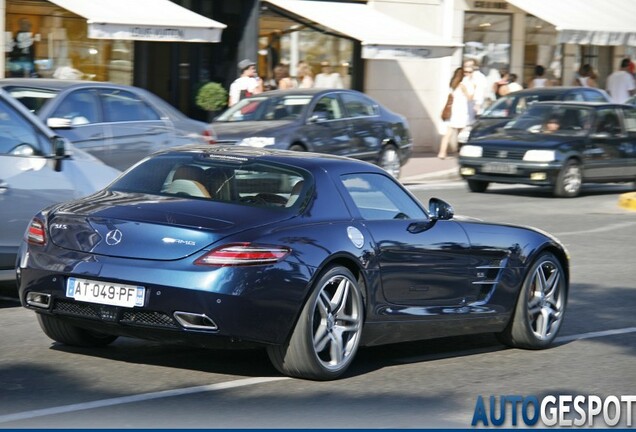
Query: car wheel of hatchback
(569,180)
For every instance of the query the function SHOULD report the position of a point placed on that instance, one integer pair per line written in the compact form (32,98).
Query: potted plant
(211,97)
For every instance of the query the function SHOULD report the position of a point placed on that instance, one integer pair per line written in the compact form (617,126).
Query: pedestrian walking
(247,84)
(620,84)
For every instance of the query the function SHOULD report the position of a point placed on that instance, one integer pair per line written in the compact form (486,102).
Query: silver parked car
(37,169)
(115,123)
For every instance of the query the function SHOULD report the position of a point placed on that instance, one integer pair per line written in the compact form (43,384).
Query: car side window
(328,107)
(630,120)
(358,106)
(80,107)
(121,105)
(594,96)
(378,197)
(608,122)
(17,135)
(575,95)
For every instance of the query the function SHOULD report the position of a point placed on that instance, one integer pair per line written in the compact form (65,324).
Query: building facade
(402,53)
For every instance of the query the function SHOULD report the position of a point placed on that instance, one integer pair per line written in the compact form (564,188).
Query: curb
(449,174)
(628,201)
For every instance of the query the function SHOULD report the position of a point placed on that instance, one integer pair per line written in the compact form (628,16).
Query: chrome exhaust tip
(38,300)
(195,321)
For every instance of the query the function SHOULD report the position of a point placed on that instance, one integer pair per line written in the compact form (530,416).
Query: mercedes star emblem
(113,237)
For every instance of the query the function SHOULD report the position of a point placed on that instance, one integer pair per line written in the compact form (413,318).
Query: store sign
(153,33)
(388,52)
(482,4)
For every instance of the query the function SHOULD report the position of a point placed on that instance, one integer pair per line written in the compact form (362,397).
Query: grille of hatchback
(503,154)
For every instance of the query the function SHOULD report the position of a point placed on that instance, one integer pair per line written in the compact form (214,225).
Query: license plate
(107,293)
(499,168)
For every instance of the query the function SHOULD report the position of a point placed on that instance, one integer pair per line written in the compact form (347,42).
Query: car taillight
(209,136)
(243,254)
(36,233)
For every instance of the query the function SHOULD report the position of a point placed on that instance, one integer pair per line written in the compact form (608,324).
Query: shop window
(289,42)
(541,49)
(487,40)
(46,41)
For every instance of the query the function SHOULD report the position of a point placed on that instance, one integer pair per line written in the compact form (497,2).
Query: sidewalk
(427,167)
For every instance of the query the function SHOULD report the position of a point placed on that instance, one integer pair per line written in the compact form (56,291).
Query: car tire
(569,180)
(540,307)
(478,185)
(327,334)
(68,334)
(389,160)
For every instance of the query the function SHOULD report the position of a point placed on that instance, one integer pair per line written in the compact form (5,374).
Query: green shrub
(211,97)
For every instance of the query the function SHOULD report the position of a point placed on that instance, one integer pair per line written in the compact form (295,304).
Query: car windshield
(512,105)
(553,119)
(212,177)
(32,98)
(266,108)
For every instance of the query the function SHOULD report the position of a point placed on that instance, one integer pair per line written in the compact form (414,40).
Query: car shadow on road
(546,192)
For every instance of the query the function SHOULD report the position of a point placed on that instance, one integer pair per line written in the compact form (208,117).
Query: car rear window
(206,177)
(32,98)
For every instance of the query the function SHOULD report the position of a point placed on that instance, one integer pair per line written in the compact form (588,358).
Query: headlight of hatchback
(471,151)
(257,141)
(539,156)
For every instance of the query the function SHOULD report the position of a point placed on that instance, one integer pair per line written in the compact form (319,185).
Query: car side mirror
(318,117)
(440,210)
(59,152)
(59,123)
(437,210)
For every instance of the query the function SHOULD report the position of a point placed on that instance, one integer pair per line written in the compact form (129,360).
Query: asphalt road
(427,384)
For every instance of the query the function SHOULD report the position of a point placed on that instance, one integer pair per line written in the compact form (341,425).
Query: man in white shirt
(247,84)
(480,83)
(620,84)
(328,78)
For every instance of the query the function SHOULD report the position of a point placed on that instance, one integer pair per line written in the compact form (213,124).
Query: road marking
(25,415)
(599,229)
(591,335)
(490,349)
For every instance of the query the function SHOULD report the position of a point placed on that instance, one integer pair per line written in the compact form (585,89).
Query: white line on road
(483,350)
(598,230)
(591,335)
(25,415)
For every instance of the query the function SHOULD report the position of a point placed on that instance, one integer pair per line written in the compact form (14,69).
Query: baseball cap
(244,64)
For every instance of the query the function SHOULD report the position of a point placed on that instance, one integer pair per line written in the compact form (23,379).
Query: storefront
(97,39)
(391,59)
(561,35)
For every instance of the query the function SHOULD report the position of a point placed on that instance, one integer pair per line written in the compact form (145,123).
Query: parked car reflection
(37,169)
(115,123)
(340,122)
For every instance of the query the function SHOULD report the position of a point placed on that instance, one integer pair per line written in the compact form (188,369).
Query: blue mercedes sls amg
(308,255)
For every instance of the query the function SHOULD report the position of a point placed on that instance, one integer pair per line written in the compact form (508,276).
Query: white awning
(143,20)
(594,22)
(381,35)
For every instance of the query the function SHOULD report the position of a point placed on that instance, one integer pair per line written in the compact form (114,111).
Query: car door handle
(4,186)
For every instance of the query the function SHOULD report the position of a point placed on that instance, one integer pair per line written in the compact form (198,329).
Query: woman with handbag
(459,102)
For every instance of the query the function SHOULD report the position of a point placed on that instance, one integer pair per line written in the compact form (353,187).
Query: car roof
(553,90)
(57,84)
(307,160)
(585,104)
(306,91)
